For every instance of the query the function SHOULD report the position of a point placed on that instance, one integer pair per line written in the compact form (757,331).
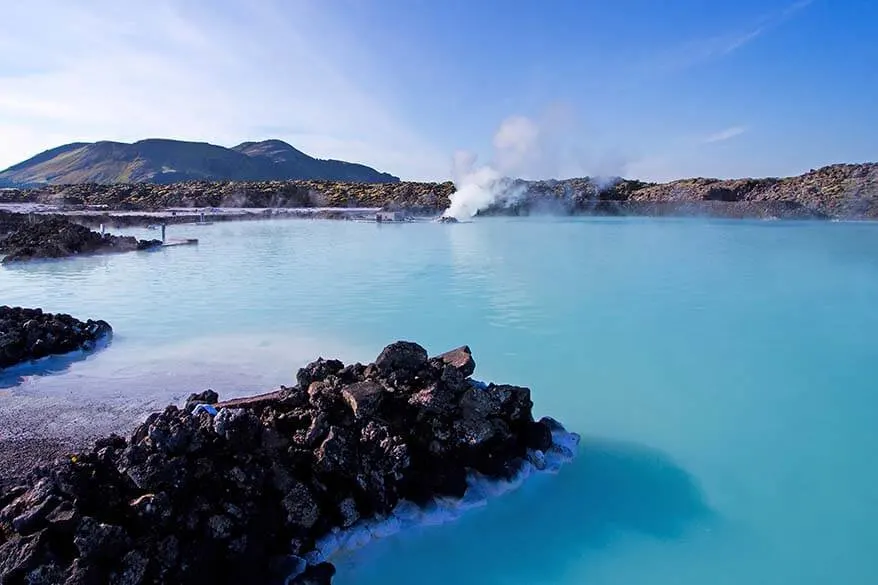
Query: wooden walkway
(183,242)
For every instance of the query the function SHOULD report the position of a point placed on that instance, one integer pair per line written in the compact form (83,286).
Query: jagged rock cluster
(844,191)
(239,491)
(56,237)
(31,334)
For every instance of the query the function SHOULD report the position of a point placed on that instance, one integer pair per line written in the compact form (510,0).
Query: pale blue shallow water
(724,376)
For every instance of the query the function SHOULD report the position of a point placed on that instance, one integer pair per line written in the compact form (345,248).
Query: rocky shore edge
(57,237)
(264,489)
(27,335)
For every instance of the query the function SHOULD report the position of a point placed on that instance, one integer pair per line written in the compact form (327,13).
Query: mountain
(170,161)
(295,164)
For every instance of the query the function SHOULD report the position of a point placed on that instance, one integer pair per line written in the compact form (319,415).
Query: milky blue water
(724,376)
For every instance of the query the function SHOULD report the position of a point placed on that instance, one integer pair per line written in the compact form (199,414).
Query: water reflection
(49,366)
(65,267)
(487,264)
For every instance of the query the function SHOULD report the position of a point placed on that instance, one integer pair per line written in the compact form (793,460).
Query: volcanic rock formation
(56,237)
(241,491)
(31,334)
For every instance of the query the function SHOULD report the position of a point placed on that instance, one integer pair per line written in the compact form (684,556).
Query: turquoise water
(723,376)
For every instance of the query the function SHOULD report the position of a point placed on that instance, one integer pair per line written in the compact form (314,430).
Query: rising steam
(522,148)
(477,187)
(516,145)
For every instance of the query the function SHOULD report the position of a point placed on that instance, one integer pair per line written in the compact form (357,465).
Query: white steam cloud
(476,186)
(516,147)
(522,148)
(517,143)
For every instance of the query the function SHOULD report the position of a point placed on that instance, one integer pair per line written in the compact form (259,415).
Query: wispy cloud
(185,70)
(701,50)
(795,7)
(724,135)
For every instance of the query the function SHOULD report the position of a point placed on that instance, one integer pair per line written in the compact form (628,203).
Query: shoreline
(120,219)
(296,475)
(836,191)
(19,458)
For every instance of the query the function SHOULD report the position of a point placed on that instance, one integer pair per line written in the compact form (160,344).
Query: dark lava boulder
(207,397)
(364,398)
(318,371)
(402,359)
(57,237)
(244,495)
(460,359)
(30,334)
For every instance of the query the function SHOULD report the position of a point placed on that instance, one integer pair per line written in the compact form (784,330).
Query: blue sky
(643,88)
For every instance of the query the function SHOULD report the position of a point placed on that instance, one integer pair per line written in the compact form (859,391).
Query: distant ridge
(169,161)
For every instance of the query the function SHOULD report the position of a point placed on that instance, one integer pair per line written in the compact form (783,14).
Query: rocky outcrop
(836,191)
(843,191)
(427,197)
(243,491)
(31,334)
(56,237)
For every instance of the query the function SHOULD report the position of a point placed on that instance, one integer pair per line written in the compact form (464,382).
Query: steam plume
(522,148)
(516,146)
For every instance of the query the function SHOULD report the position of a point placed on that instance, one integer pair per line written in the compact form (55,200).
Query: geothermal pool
(723,376)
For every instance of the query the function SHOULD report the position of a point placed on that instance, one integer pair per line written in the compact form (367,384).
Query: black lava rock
(30,334)
(242,496)
(57,237)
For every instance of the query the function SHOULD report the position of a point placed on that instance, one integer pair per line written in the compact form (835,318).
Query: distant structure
(390,216)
